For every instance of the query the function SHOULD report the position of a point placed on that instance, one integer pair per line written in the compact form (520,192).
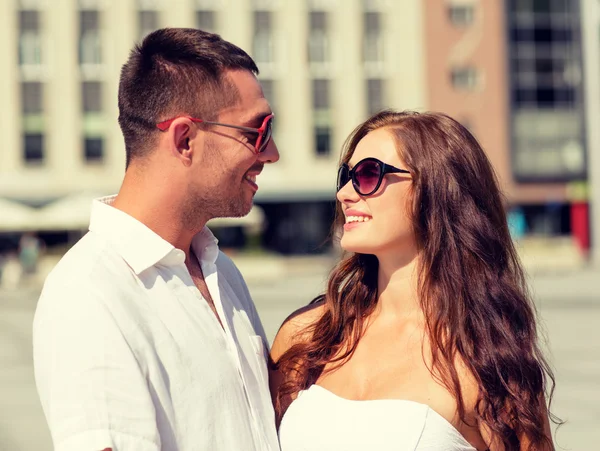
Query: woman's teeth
(357,219)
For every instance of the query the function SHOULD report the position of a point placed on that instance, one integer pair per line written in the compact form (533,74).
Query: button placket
(236,351)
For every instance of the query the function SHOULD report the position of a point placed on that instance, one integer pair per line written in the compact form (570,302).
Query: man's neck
(157,207)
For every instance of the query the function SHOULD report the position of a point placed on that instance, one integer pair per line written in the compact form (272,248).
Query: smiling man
(145,336)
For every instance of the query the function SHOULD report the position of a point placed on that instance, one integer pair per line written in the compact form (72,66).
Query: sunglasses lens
(367,176)
(266,136)
(343,177)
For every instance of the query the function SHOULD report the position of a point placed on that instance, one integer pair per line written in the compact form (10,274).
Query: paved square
(569,312)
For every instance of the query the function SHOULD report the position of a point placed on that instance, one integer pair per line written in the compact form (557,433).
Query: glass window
(374,96)
(373,42)
(31,98)
(373,5)
(372,22)
(461,15)
(541,6)
(322,140)
(263,50)
(33,147)
(546,67)
(89,37)
(91,95)
(93,149)
(546,90)
(268,87)
(147,22)
(320,94)
(318,41)
(464,78)
(30,44)
(205,20)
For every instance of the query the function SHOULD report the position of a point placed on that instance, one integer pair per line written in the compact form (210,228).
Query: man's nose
(270,154)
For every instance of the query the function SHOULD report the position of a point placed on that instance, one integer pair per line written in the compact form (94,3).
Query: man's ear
(181,132)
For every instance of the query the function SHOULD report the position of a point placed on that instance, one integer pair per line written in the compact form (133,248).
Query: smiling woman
(427,318)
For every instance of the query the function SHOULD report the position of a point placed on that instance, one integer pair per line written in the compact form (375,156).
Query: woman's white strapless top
(319,420)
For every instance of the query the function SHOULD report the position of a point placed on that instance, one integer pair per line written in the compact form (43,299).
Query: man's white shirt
(128,354)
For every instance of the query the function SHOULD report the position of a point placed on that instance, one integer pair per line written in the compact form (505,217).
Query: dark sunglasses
(263,133)
(366,175)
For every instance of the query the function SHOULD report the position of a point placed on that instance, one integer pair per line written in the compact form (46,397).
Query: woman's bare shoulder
(292,330)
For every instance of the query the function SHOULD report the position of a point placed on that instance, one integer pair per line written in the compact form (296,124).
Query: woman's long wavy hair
(472,288)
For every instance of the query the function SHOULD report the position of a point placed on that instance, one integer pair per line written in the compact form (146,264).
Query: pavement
(567,296)
(556,263)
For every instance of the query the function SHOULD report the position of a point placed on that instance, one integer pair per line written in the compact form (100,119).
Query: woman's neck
(397,283)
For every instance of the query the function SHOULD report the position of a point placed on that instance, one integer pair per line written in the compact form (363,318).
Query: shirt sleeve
(93,392)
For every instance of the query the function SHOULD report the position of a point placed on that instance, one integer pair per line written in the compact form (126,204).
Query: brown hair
(472,287)
(175,71)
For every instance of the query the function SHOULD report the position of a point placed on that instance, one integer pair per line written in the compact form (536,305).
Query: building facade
(325,65)
(511,71)
(590,24)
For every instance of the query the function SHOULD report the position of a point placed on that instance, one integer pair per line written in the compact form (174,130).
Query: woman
(426,336)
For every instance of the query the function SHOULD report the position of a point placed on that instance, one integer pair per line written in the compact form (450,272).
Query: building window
(464,78)
(461,14)
(33,148)
(30,43)
(205,21)
(32,108)
(31,98)
(375,96)
(322,116)
(373,42)
(147,23)
(91,96)
(318,40)
(320,94)
(268,88)
(545,54)
(547,90)
(90,49)
(93,149)
(322,140)
(263,50)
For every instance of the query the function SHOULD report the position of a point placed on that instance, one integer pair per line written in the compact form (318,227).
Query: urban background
(522,75)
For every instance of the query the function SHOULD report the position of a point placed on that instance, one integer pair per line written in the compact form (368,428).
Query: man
(145,336)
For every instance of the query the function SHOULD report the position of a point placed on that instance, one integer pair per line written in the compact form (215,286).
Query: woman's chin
(357,246)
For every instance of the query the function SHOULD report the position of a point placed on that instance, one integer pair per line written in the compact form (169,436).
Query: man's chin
(239,211)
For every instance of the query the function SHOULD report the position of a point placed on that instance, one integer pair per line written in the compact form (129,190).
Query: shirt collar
(140,247)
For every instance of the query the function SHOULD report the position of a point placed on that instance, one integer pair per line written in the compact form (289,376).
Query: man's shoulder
(226,265)
(87,284)
(229,271)
(87,266)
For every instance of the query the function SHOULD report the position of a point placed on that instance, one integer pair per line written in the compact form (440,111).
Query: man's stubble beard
(220,201)
(226,203)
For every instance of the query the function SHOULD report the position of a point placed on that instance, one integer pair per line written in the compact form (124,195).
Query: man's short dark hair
(175,71)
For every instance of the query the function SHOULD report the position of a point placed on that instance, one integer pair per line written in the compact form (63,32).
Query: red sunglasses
(263,133)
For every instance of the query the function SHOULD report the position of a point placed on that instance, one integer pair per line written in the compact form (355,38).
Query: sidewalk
(555,268)
(550,255)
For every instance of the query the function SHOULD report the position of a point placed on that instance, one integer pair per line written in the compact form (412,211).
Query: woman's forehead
(379,144)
